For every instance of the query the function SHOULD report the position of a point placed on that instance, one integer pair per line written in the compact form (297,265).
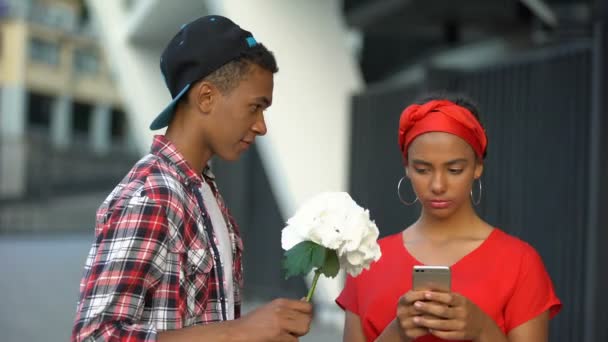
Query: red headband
(441,116)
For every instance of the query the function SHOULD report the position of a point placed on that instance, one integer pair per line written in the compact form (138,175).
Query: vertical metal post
(596,279)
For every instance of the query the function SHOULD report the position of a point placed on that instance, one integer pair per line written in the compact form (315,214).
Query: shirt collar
(165,149)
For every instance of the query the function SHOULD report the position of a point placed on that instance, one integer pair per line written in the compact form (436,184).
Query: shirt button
(192,268)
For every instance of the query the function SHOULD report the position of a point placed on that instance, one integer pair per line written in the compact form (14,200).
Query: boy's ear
(204,96)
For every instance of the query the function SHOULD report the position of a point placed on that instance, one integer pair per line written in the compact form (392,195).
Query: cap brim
(162,120)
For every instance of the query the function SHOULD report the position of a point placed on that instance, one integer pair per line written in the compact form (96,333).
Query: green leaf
(331,266)
(303,257)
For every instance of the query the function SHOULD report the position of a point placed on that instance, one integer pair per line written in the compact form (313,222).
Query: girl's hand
(449,316)
(407,313)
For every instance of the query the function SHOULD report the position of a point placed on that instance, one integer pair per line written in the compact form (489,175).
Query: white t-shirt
(224,245)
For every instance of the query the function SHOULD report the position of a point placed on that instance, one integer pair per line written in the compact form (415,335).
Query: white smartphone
(432,278)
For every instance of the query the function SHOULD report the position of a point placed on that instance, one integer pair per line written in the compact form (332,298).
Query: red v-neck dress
(504,276)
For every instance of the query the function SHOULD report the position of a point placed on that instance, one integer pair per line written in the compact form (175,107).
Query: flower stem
(314,285)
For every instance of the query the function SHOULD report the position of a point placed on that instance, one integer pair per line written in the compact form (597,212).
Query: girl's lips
(440,204)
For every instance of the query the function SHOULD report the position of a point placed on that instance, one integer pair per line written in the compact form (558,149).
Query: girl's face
(442,167)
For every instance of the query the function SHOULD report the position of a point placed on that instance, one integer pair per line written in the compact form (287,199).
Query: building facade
(59,109)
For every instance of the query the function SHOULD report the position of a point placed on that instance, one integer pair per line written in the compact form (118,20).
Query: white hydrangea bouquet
(328,232)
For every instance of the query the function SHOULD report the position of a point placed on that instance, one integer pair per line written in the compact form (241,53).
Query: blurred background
(79,84)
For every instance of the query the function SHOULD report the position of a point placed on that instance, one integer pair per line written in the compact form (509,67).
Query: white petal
(290,238)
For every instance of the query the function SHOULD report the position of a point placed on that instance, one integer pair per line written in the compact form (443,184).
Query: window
(84,21)
(40,108)
(86,62)
(54,14)
(81,119)
(4,9)
(43,51)
(119,124)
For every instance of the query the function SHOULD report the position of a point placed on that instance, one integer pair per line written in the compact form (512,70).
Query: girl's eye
(455,171)
(422,171)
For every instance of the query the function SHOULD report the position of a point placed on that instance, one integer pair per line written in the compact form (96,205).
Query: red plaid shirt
(154,264)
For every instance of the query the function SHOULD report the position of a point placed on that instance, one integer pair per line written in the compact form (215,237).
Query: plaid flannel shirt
(154,265)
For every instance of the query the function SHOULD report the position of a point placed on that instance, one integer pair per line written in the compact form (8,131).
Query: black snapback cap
(198,49)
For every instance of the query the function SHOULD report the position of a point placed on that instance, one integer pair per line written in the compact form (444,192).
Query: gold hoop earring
(476,203)
(399,194)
